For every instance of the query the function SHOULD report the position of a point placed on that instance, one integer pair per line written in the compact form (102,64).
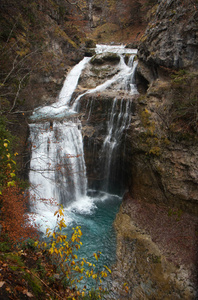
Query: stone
(170,39)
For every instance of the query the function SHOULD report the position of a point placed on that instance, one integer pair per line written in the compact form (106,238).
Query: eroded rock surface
(171,38)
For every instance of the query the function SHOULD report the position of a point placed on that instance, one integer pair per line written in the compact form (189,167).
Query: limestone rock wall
(161,205)
(170,39)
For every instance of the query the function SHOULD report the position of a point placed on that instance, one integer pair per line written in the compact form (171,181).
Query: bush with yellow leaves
(71,269)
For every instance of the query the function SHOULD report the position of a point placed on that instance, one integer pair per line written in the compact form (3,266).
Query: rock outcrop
(170,39)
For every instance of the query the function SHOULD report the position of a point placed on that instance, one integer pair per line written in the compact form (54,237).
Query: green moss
(13,257)
(28,244)
(14,268)
(4,247)
(142,99)
(177,213)
(145,115)
(155,258)
(40,268)
(34,283)
(96,71)
(143,38)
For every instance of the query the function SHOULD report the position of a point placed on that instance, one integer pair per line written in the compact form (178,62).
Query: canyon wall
(157,224)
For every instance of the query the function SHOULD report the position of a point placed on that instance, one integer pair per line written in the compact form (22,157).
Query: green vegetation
(7,162)
(51,270)
(177,213)
(156,150)
(155,258)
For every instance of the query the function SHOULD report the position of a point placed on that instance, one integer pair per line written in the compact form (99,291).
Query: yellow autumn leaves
(63,250)
(7,163)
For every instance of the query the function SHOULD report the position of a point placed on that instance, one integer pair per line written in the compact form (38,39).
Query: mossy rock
(100,59)
(132,45)
(89,43)
(89,52)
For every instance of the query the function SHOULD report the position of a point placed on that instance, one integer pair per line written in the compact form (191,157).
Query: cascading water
(57,166)
(117,123)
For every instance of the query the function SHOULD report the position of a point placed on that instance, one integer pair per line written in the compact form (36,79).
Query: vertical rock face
(170,39)
(162,153)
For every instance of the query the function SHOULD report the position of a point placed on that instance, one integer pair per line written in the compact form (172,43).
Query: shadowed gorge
(102,97)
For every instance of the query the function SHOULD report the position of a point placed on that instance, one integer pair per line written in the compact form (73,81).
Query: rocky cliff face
(170,39)
(162,147)
(122,21)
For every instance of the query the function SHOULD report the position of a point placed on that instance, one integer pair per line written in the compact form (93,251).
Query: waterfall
(60,109)
(123,76)
(118,122)
(57,165)
(57,168)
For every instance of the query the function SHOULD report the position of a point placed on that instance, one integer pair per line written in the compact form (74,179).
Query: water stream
(57,166)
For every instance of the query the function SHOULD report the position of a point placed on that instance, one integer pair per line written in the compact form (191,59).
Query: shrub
(73,270)
(14,219)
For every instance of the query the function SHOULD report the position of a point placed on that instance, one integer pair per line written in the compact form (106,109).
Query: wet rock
(105,58)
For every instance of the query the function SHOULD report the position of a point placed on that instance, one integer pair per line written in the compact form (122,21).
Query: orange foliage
(14,219)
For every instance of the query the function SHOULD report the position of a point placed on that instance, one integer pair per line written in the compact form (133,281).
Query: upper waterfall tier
(109,72)
(60,108)
(120,49)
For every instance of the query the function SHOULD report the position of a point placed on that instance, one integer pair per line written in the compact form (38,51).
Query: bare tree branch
(18,91)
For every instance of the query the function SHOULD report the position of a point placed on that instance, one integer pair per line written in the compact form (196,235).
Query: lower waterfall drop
(57,165)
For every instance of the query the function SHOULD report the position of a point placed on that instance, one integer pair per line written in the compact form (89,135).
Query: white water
(57,166)
(122,78)
(61,108)
(117,123)
(120,49)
